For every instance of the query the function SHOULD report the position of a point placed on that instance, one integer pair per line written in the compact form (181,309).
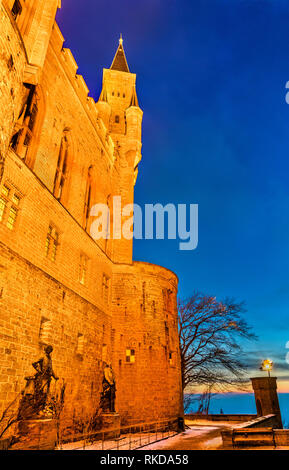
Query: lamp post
(267,365)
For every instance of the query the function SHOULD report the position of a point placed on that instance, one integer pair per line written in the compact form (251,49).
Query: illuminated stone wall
(12,66)
(138,311)
(144,321)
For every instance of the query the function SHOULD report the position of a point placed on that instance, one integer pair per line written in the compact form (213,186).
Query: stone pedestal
(36,434)
(110,425)
(266,397)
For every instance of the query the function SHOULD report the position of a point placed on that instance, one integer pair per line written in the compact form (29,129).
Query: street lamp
(267,365)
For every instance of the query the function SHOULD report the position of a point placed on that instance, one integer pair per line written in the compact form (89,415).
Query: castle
(61,153)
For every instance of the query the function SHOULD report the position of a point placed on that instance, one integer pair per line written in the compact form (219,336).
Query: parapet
(156,270)
(70,67)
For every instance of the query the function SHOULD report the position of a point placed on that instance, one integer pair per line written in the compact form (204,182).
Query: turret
(104,108)
(134,118)
(120,93)
(120,112)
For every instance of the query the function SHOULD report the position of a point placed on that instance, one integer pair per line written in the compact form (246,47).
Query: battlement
(70,67)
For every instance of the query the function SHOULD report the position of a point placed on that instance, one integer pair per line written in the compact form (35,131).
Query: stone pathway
(204,436)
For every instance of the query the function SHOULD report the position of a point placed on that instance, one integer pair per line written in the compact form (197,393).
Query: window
(16,9)
(105,288)
(171,361)
(116,119)
(61,170)
(130,356)
(167,330)
(3,201)
(87,201)
(25,126)
(2,207)
(10,63)
(80,345)
(51,243)
(45,331)
(167,299)
(9,206)
(83,269)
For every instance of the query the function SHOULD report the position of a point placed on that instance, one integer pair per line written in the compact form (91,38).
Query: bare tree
(209,331)
(8,418)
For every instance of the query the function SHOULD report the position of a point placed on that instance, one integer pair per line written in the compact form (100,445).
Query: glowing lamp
(267,365)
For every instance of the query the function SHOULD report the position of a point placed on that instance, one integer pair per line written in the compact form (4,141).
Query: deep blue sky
(211,78)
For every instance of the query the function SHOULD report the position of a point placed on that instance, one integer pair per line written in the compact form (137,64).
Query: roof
(119,62)
(134,100)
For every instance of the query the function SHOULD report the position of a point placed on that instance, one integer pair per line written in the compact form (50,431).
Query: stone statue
(107,400)
(36,392)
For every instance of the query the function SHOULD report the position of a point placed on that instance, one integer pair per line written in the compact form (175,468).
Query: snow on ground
(194,431)
(205,434)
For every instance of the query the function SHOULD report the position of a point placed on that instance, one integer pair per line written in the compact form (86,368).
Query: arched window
(26,129)
(116,119)
(87,201)
(62,169)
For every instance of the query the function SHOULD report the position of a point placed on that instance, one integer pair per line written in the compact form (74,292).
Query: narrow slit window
(105,288)
(83,269)
(87,201)
(61,170)
(51,244)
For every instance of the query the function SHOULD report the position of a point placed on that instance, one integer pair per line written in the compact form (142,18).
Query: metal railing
(128,437)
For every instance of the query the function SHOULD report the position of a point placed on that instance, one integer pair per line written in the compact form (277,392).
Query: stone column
(266,397)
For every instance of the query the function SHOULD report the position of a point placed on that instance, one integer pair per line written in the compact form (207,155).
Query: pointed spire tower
(118,95)
(119,62)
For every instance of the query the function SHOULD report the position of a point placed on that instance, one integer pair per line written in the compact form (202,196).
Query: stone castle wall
(12,66)
(138,312)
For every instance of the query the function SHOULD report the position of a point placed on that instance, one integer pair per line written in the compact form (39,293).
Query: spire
(103,95)
(119,62)
(134,100)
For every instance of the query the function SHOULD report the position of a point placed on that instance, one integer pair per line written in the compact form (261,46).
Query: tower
(119,110)
(266,397)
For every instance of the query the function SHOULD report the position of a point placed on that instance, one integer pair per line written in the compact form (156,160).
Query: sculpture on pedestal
(34,402)
(107,400)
